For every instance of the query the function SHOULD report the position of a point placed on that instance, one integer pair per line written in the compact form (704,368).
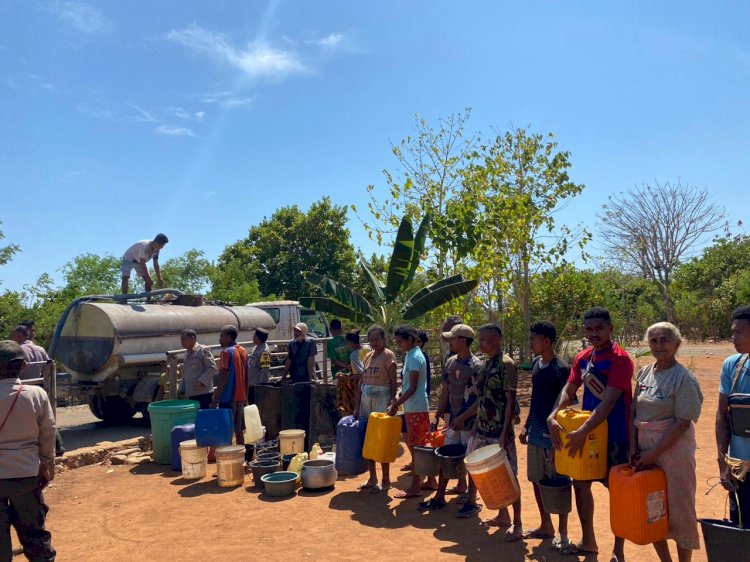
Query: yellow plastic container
(592,463)
(382,438)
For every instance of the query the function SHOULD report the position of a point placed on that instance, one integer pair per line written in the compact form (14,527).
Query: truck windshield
(315,322)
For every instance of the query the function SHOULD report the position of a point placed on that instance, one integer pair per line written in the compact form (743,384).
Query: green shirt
(493,380)
(337,349)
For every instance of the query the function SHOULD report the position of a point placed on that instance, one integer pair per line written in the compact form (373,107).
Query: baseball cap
(459,331)
(10,351)
(302,327)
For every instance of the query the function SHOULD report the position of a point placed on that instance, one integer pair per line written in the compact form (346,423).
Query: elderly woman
(666,405)
(377,394)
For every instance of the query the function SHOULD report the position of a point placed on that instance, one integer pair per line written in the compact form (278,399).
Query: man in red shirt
(606,371)
(231,390)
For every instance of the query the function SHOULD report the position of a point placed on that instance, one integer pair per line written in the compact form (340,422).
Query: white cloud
(227,99)
(83,17)
(256,60)
(97,112)
(144,116)
(170,131)
(331,41)
(199,115)
(184,114)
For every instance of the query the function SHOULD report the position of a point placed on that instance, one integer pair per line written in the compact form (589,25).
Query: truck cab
(288,313)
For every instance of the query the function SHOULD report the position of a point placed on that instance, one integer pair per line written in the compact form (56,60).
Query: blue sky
(123,119)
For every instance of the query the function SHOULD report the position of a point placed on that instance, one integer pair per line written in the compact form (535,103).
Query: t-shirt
(34,354)
(140,252)
(739,447)
(414,361)
(338,350)
(356,358)
(614,368)
(547,381)
(234,359)
(460,376)
(496,377)
(377,367)
(298,354)
(667,395)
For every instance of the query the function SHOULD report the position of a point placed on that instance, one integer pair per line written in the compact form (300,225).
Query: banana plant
(390,306)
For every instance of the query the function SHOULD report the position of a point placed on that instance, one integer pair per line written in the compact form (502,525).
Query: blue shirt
(739,447)
(228,394)
(414,361)
(546,384)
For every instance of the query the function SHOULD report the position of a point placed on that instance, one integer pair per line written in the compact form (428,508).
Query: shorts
(374,399)
(540,463)
(238,414)
(126,266)
(417,427)
(455,437)
(478,441)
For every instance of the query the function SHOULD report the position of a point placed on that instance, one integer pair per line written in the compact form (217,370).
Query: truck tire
(95,405)
(117,410)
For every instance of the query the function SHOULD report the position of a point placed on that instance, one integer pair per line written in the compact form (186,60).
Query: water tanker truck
(113,346)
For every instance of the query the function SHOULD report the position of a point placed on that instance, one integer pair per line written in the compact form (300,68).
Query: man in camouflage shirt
(496,406)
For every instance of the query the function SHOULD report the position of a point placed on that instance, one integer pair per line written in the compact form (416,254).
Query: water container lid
(230,450)
(484,453)
(292,433)
(190,444)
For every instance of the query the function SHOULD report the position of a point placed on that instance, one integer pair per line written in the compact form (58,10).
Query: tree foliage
(428,180)
(191,272)
(513,191)
(390,305)
(291,241)
(8,251)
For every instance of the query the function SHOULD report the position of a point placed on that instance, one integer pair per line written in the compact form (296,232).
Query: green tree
(191,272)
(708,287)
(280,248)
(8,251)
(428,181)
(234,282)
(512,195)
(90,274)
(391,306)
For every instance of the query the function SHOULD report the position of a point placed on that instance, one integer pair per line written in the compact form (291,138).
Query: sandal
(468,510)
(573,549)
(431,505)
(537,534)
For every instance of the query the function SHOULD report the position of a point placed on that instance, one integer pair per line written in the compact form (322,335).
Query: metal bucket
(451,458)
(723,540)
(556,494)
(426,463)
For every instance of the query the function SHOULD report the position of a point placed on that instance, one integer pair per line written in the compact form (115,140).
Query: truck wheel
(95,405)
(117,410)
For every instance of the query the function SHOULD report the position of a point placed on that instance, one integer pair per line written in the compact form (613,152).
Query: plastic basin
(165,415)
(279,484)
(261,468)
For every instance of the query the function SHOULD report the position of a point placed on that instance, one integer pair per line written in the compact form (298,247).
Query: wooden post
(49,373)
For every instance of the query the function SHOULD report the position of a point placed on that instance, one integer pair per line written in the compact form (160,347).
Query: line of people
(652,424)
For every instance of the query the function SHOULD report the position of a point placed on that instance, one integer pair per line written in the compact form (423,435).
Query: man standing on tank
(137,257)
(27,462)
(198,370)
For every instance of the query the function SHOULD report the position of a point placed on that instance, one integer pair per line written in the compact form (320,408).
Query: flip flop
(537,534)
(572,549)
(559,544)
(431,505)
(513,537)
(407,467)
(366,486)
(468,510)
(406,495)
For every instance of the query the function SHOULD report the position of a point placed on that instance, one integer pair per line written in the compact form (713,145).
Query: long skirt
(678,463)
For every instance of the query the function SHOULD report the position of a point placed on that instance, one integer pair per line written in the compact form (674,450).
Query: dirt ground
(119,513)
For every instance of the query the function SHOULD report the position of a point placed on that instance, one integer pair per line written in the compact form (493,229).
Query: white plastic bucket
(491,471)
(253,428)
(291,441)
(194,460)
